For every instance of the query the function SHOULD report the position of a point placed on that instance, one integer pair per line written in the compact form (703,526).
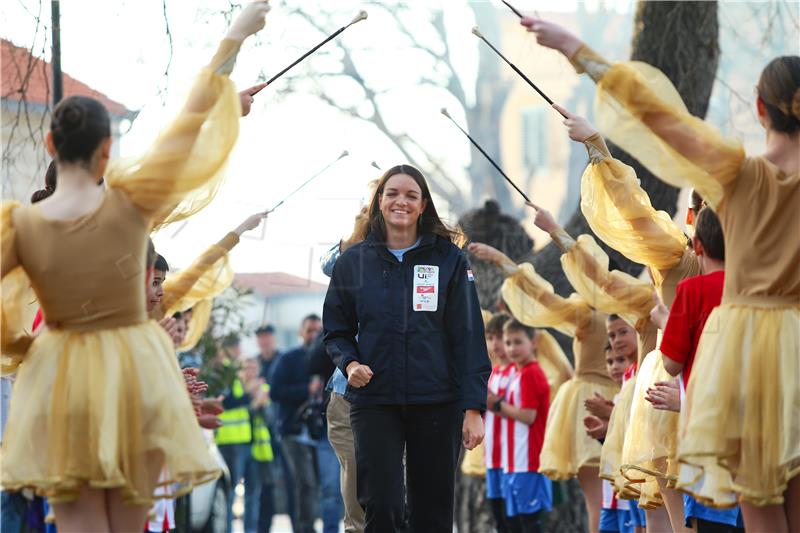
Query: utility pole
(58,81)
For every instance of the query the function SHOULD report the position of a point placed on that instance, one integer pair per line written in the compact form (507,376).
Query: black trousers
(430,435)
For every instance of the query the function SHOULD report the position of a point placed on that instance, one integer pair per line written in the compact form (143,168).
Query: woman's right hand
(552,35)
(249,21)
(358,375)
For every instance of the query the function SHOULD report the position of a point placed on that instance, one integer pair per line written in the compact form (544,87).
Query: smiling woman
(402,321)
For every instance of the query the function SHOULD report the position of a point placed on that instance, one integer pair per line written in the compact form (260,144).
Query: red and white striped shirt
(610,500)
(493,441)
(528,390)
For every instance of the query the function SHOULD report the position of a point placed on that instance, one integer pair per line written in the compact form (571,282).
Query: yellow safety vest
(262,445)
(236,427)
(262,442)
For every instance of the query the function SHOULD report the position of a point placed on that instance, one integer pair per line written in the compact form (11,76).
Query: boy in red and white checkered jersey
(524,411)
(502,372)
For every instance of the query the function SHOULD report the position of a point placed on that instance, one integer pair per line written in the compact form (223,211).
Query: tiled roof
(22,73)
(278,283)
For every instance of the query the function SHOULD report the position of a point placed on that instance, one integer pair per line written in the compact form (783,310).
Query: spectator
(290,388)
(321,368)
(267,350)
(235,437)
(279,469)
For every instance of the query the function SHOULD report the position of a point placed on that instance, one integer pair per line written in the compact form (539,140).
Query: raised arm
(586,267)
(640,110)
(208,275)
(530,298)
(15,332)
(616,207)
(189,154)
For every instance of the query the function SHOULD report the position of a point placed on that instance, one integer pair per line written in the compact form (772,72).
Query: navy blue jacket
(289,388)
(417,357)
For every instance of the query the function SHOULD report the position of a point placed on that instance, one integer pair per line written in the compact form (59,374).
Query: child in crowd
(502,373)
(682,324)
(527,492)
(615,516)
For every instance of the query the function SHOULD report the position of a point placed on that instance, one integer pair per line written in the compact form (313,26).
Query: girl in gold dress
(99,405)
(740,434)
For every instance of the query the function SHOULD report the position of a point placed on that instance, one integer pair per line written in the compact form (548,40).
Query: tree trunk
(491,90)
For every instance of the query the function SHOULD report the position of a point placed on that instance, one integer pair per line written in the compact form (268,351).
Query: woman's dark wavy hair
(428,222)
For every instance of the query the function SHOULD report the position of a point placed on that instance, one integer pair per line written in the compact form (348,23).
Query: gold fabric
(116,404)
(184,168)
(620,213)
(611,455)
(737,436)
(567,447)
(638,108)
(652,433)
(555,365)
(531,300)
(206,277)
(586,267)
(17,298)
(740,431)
(473,463)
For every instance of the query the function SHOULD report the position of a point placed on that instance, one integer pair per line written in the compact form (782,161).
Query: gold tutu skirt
(567,447)
(648,451)
(740,430)
(107,409)
(611,455)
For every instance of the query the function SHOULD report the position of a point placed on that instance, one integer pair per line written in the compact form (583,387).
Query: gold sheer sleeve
(201,316)
(15,297)
(532,300)
(620,213)
(206,277)
(553,360)
(586,267)
(639,109)
(181,172)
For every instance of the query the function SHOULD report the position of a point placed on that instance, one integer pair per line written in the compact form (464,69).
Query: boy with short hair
(502,373)
(525,408)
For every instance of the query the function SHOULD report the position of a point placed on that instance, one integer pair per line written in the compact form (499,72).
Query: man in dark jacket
(290,388)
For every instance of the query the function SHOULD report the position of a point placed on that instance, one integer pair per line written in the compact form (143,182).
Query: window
(534,140)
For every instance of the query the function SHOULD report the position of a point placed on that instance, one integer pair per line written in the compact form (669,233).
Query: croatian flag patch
(470,277)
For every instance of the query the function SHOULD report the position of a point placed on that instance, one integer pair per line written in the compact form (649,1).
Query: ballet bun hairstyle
(49,184)
(779,89)
(79,124)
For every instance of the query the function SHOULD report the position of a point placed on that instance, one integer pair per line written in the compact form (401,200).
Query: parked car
(207,505)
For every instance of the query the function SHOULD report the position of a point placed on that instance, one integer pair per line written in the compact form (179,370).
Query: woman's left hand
(472,431)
